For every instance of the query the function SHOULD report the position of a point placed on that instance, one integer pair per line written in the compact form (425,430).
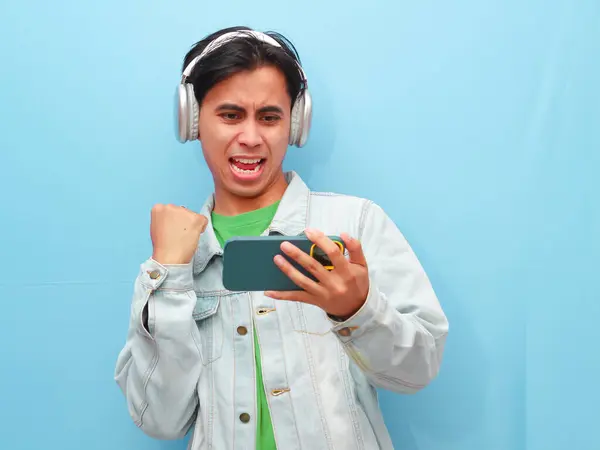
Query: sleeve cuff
(170,276)
(361,321)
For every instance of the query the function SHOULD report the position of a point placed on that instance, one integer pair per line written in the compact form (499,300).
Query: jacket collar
(290,220)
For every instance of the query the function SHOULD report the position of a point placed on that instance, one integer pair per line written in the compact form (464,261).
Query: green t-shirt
(252,223)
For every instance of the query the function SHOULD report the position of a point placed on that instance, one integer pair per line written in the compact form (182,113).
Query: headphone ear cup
(181,118)
(186,110)
(193,113)
(296,120)
(306,118)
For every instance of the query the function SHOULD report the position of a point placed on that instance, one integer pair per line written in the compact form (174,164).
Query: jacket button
(278,392)
(242,331)
(245,417)
(345,332)
(155,274)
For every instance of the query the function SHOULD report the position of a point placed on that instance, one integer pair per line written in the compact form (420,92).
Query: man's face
(244,128)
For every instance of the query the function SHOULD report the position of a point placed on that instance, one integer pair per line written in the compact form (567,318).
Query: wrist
(167,259)
(343,316)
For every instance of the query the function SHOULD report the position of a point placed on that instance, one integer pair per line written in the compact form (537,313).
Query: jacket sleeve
(159,367)
(397,338)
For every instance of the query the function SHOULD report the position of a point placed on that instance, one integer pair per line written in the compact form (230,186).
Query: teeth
(237,169)
(247,161)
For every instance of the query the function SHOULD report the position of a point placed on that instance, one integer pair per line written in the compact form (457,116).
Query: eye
(230,116)
(270,118)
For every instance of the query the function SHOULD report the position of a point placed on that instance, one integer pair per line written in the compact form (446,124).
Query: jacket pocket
(309,319)
(210,325)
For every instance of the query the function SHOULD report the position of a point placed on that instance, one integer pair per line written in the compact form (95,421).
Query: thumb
(204,223)
(354,250)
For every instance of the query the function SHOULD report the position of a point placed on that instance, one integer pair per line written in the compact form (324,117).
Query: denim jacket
(193,365)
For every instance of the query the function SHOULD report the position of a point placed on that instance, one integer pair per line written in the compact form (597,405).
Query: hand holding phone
(248,262)
(341,292)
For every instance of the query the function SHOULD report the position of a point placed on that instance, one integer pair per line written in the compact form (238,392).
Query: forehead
(252,87)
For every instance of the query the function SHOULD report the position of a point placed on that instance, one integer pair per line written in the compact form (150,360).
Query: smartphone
(248,262)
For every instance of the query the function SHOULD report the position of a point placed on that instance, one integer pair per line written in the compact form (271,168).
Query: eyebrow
(237,108)
(271,108)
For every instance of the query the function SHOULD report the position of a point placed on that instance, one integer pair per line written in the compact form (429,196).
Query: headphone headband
(188,109)
(226,37)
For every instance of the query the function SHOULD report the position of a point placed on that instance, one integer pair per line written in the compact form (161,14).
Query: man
(287,370)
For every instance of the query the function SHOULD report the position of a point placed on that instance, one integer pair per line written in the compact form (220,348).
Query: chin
(247,192)
(248,187)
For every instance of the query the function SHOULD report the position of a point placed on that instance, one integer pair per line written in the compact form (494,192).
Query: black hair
(240,54)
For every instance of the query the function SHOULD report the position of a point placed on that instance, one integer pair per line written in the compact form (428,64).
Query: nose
(250,134)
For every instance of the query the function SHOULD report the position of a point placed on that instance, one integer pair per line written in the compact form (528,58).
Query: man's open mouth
(246,166)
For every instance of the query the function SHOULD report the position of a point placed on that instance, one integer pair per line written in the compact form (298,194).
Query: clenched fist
(175,231)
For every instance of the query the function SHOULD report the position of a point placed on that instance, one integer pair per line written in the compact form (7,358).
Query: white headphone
(187,108)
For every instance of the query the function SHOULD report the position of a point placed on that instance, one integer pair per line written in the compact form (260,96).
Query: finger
(330,248)
(302,258)
(355,250)
(299,279)
(203,222)
(294,296)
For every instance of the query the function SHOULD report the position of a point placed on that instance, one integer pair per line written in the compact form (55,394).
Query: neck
(229,204)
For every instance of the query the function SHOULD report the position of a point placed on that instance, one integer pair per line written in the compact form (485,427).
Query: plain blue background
(475,124)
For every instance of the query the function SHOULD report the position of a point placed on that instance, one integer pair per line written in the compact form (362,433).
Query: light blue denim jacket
(192,368)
